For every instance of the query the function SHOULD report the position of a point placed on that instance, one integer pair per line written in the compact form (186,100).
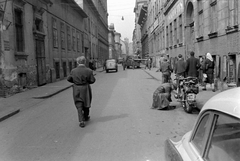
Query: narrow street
(122,125)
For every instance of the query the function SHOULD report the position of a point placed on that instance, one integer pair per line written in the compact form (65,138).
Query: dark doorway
(41,62)
(189,29)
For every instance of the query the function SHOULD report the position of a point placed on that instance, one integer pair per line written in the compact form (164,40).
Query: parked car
(111,64)
(216,134)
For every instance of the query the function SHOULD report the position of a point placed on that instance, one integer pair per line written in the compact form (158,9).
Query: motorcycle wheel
(187,107)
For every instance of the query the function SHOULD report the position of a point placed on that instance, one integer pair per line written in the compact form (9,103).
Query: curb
(51,94)
(10,114)
(151,75)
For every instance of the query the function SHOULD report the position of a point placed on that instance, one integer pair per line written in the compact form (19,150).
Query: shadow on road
(108,118)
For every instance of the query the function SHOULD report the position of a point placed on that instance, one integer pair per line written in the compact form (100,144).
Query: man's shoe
(204,89)
(213,90)
(87,118)
(82,124)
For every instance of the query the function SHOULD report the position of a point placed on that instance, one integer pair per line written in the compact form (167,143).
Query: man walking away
(166,70)
(82,77)
(192,66)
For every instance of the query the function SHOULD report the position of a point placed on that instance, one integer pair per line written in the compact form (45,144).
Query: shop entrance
(231,69)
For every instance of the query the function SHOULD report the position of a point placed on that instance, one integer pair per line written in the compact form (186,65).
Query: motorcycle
(187,92)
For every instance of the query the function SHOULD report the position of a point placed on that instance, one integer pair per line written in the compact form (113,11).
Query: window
(73,40)
(180,29)
(55,36)
(163,39)
(232,7)
(200,18)
(70,66)
(64,65)
(78,42)
(198,139)
(62,36)
(167,36)
(39,25)
(175,32)
(57,69)
(171,35)
(225,142)
(160,41)
(69,38)
(75,64)
(19,30)
(213,18)
(82,42)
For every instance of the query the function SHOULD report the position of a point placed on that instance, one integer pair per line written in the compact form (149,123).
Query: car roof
(227,102)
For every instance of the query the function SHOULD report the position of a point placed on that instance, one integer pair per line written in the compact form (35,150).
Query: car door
(199,137)
(224,139)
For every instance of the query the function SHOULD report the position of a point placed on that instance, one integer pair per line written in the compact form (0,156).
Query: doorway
(41,62)
(189,29)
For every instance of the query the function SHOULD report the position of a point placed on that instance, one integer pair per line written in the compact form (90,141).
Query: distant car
(216,134)
(111,64)
(120,60)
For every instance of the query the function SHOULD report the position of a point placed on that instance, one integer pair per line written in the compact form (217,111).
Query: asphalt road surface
(122,125)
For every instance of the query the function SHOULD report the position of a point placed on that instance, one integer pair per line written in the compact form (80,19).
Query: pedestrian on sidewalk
(124,63)
(180,66)
(192,66)
(166,70)
(104,64)
(208,69)
(180,69)
(200,76)
(82,77)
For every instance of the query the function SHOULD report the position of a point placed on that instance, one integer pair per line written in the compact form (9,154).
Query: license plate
(191,97)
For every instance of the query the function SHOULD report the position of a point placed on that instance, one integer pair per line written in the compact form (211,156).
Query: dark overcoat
(192,66)
(82,77)
(180,66)
(165,68)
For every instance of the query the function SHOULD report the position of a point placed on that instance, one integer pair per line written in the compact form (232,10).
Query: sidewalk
(202,96)
(12,105)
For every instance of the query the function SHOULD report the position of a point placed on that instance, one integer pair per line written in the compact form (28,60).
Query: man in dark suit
(192,66)
(180,66)
(82,77)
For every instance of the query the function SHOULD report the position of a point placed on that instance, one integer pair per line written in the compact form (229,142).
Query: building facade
(142,21)
(181,26)
(41,39)
(111,41)
(117,37)
(102,27)
(136,39)
(124,49)
(25,60)
(65,33)
(215,27)
(95,29)
(175,30)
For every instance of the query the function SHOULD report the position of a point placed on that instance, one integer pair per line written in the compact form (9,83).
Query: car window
(198,139)
(225,142)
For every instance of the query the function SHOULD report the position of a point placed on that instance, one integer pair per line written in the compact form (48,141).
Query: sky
(117,9)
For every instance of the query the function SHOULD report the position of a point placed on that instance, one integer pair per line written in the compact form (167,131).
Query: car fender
(181,150)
